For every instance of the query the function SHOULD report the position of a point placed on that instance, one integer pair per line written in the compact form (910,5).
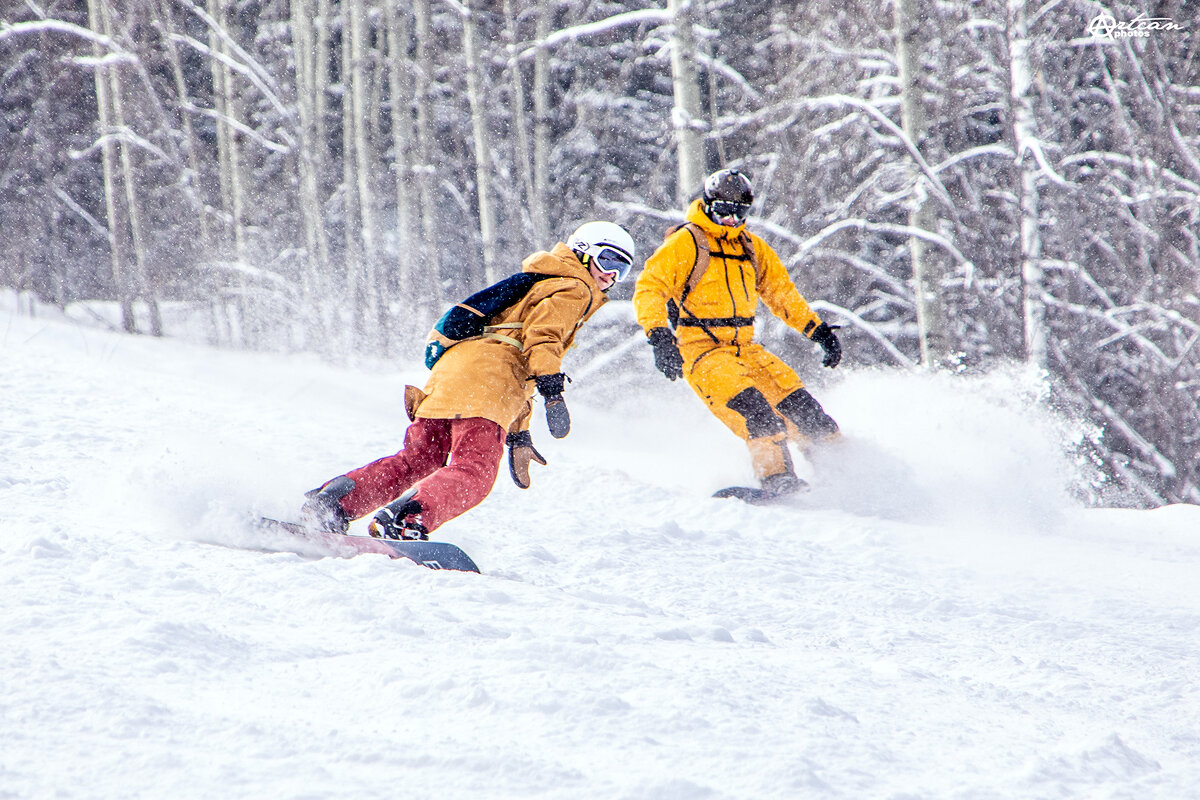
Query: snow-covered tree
(999,185)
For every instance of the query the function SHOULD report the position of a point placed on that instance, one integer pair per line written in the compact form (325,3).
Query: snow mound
(937,617)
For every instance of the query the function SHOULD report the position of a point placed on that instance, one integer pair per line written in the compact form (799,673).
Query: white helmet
(607,244)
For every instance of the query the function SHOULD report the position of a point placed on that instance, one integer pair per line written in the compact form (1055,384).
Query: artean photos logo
(1106,26)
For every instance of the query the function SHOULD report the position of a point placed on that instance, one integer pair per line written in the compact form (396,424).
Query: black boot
(323,508)
(399,519)
(783,483)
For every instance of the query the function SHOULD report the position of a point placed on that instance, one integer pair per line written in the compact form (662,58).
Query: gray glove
(558,420)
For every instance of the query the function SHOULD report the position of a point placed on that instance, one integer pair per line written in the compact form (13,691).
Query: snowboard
(756,497)
(435,555)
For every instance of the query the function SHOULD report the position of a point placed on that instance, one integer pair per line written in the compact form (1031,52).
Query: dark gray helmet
(727,197)
(728,184)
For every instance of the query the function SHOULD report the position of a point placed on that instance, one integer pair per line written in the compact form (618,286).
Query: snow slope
(936,619)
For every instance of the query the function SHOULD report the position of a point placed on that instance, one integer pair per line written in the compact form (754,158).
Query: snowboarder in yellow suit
(705,281)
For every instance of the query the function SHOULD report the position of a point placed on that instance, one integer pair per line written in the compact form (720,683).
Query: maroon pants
(452,462)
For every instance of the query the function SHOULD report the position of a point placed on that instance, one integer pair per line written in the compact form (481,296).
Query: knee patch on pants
(806,413)
(761,419)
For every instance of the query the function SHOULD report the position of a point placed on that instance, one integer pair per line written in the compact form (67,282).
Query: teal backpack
(470,319)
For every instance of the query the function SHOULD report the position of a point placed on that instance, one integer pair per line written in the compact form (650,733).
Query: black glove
(666,353)
(520,452)
(557,418)
(824,335)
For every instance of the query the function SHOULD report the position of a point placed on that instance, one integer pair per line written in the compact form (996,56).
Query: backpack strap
(703,256)
(699,267)
(469,319)
(493,332)
(748,248)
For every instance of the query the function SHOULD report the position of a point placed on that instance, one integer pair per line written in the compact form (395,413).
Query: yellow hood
(695,213)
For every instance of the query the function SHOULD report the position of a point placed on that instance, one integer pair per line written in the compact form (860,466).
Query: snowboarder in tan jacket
(709,275)
(479,398)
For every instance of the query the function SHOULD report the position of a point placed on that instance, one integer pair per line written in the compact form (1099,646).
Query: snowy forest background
(958,184)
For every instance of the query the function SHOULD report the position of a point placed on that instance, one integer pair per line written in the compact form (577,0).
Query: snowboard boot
(399,520)
(773,464)
(323,508)
(783,483)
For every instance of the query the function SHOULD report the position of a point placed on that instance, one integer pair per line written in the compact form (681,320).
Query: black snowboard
(757,497)
(435,555)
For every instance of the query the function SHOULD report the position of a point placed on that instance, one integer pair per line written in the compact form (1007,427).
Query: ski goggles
(728,208)
(613,262)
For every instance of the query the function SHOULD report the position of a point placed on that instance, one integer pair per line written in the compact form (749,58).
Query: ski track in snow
(935,619)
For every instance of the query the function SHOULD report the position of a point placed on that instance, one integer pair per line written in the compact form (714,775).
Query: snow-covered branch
(739,80)
(570,34)
(884,228)
(1000,150)
(866,327)
(251,133)
(125,135)
(104,61)
(1111,318)
(246,71)
(1124,160)
(1033,146)
(8,30)
(870,109)
(255,72)
(99,229)
(899,289)
(458,7)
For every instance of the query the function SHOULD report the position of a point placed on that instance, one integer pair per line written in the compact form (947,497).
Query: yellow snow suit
(715,331)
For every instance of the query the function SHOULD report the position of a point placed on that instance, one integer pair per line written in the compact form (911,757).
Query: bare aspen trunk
(712,94)
(402,141)
(113,202)
(927,277)
(321,66)
(312,74)
(195,190)
(225,104)
(351,225)
(521,159)
(361,112)
(483,154)
(687,115)
(426,172)
(140,277)
(310,77)
(541,130)
(1024,131)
